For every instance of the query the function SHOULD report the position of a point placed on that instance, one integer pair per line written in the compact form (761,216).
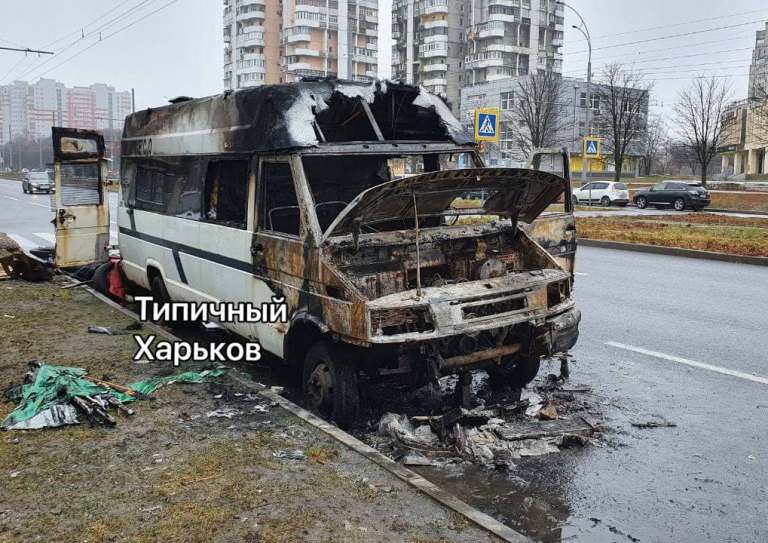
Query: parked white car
(603,192)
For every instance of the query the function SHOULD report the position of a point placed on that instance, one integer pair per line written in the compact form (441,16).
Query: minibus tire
(159,292)
(330,385)
(516,375)
(101,279)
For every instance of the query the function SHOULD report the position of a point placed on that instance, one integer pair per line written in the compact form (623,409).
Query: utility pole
(133,100)
(10,145)
(585,32)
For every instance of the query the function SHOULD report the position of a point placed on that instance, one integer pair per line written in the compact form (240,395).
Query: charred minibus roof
(295,116)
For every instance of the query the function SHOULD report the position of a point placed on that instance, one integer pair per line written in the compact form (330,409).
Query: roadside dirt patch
(200,463)
(732,235)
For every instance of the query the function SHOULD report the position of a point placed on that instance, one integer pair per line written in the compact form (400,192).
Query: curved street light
(584,32)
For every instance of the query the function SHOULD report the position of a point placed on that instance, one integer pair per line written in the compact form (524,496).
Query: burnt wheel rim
(319,387)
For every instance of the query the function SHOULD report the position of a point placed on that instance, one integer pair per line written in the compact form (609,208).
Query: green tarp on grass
(57,385)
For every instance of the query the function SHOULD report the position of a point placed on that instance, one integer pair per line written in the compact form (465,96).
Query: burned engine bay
(386,263)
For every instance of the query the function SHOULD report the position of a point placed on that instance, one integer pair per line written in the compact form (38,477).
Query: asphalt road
(662,337)
(705,479)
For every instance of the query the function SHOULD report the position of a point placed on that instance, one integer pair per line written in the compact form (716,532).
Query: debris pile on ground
(14,262)
(499,431)
(57,395)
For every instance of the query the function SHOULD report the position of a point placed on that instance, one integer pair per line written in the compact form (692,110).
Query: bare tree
(653,139)
(623,111)
(699,112)
(537,112)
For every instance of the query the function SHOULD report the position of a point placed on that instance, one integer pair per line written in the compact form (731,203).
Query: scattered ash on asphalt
(426,428)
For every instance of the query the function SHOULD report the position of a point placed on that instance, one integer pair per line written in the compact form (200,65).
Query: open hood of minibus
(520,194)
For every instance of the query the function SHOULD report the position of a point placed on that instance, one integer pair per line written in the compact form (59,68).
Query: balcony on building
(297,34)
(432,50)
(431,7)
(434,82)
(251,38)
(246,15)
(503,14)
(434,67)
(490,29)
(486,59)
(439,23)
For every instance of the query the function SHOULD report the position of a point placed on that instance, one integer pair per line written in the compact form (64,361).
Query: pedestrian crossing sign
(592,147)
(487,124)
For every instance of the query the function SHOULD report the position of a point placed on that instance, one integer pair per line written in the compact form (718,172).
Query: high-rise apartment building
(251,42)
(446,45)
(273,41)
(758,70)
(429,45)
(29,110)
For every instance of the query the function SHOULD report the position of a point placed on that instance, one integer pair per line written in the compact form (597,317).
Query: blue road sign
(592,147)
(487,125)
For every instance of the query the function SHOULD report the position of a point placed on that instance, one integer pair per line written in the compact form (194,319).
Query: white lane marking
(40,205)
(24,242)
(692,363)
(10,197)
(47,236)
(581,273)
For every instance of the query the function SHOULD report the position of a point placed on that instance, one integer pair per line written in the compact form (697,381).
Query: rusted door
(555,231)
(81,203)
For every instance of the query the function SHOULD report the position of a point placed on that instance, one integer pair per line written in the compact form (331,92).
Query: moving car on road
(36,182)
(603,192)
(676,194)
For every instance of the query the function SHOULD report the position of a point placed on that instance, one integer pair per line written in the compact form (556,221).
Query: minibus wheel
(101,279)
(514,374)
(159,292)
(330,384)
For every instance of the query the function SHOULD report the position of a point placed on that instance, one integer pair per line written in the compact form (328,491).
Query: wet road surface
(704,480)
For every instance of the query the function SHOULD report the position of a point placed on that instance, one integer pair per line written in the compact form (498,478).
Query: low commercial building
(744,139)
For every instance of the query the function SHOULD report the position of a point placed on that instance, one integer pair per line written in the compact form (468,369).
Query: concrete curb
(739,211)
(412,478)
(675,251)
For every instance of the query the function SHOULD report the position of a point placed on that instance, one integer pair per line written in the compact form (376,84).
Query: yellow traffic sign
(487,121)
(593,147)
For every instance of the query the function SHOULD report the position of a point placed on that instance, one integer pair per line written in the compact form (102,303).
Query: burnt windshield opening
(337,180)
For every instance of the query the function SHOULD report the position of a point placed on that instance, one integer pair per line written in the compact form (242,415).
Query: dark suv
(677,194)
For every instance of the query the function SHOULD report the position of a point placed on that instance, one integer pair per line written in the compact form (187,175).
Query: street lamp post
(585,32)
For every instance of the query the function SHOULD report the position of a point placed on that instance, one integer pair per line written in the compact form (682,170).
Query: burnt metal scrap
(492,435)
(15,263)
(290,117)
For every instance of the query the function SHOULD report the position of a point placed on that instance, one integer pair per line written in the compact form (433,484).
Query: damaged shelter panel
(82,209)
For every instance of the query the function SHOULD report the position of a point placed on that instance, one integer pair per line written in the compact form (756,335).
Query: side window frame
(259,188)
(204,191)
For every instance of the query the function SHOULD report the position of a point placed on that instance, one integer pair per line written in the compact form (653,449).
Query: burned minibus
(368,209)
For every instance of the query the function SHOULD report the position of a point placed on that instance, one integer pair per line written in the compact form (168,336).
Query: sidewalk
(205,462)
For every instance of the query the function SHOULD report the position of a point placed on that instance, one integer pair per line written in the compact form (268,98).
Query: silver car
(37,182)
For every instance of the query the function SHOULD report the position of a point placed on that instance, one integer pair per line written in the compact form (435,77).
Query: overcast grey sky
(178,50)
